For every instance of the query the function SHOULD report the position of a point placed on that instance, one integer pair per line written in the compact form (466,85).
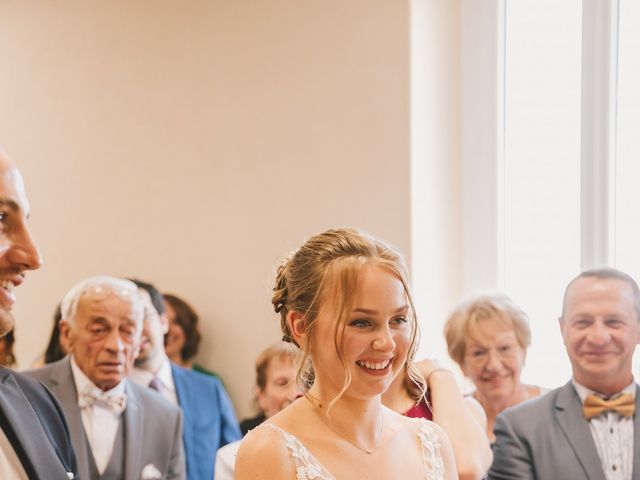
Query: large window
(627,162)
(541,180)
(626,197)
(568,173)
(549,103)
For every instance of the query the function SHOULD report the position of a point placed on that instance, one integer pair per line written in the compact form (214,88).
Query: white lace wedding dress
(308,468)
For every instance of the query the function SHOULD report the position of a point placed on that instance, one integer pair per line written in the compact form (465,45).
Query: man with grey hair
(118,429)
(34,439)
(589,428)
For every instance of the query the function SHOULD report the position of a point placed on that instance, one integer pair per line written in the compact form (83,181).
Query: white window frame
(599,80)
(482,58)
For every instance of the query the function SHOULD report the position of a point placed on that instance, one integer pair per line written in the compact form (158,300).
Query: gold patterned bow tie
(593,406)
(91,396)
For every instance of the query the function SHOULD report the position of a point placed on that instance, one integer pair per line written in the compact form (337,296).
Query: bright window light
(627,171)
(541,177)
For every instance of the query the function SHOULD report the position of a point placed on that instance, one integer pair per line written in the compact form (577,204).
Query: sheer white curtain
(541,176)
(627,163)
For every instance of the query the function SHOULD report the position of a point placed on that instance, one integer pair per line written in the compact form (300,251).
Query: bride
(343,298)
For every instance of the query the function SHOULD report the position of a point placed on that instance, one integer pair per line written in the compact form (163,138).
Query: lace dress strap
(307,467)
(431,458)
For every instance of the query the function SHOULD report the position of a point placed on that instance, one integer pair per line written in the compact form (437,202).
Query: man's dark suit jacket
(33,422)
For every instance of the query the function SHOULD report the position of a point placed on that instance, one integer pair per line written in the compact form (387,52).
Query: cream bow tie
(91,396)
(593,406)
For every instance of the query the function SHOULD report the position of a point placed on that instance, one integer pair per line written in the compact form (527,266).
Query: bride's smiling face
(372,343)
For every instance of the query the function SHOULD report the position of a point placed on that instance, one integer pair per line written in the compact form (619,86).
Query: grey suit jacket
(548,438)
(34,423)
(152,426)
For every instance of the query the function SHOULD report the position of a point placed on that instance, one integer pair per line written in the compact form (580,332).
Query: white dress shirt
(100,423)
(226,460)
(613,436)
(166,388)
(10,464)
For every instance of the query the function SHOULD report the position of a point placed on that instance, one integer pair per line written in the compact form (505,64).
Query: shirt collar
(584,391)
(164,375)
(83,382)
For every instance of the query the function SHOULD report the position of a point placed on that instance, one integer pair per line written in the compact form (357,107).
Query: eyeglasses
(480,356)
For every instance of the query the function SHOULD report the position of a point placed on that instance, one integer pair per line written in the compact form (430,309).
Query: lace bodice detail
(433,464)
(308,468)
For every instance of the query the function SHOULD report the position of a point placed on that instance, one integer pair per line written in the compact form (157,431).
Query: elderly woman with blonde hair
(488,336)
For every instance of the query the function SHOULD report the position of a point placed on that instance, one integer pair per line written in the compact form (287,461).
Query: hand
(428,367)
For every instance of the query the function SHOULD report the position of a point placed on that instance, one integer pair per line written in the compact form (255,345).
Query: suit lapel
(27,428)
(636,437)
(63,386)
(133,427)
(576,429)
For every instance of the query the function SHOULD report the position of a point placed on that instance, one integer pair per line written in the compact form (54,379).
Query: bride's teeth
(374,365)
(7,285)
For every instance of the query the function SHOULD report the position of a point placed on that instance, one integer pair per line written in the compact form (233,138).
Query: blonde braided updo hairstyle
(327,266)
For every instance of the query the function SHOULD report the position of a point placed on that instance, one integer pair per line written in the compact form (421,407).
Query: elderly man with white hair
(118,429)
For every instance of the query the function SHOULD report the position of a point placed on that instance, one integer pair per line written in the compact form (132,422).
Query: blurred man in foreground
(34,439)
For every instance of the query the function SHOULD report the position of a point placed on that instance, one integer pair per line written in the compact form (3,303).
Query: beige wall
(193,144)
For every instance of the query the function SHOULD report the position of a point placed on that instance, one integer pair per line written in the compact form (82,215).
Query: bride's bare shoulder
(431,433)
(413,425)
(399,421)
(263,455)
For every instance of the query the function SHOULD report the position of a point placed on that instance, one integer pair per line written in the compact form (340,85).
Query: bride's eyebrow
(375,312)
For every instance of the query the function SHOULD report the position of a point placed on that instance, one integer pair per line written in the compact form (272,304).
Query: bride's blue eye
(399,320)
(360,323)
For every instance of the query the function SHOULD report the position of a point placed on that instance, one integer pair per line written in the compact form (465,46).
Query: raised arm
(448,457)
(462,419)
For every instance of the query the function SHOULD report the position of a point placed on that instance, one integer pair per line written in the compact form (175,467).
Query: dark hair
(187,318)
(54,351)
(154,293)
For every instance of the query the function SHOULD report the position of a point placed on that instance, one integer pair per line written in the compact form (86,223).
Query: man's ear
(298,327)
(66,337)
(561,325)
(136,348)
(164,321)
(137,345)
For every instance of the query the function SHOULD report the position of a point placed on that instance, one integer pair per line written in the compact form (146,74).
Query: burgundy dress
(421,409)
